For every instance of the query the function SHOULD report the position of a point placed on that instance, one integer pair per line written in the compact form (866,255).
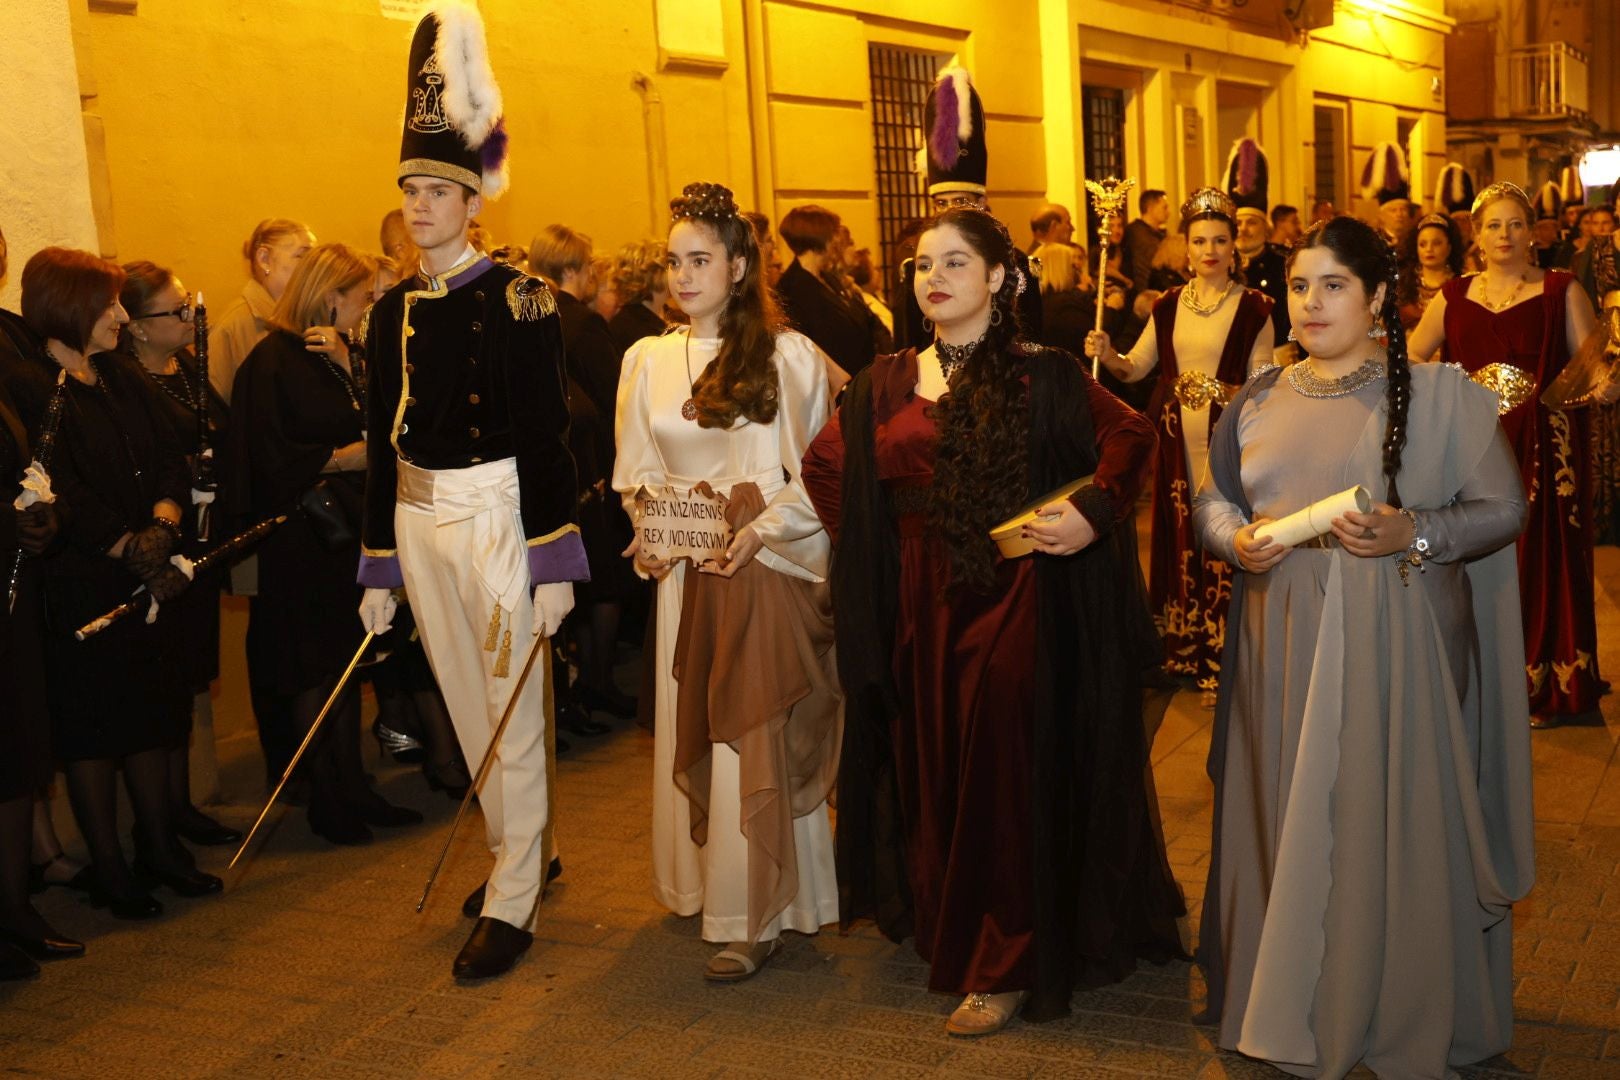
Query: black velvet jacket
(466,368)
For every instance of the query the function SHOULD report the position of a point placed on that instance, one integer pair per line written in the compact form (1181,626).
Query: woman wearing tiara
(747,707)
(1373,825)
(1514,329)
(1205,338)
(995,801)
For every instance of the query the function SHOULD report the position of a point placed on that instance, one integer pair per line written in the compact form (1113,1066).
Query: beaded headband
(710,202)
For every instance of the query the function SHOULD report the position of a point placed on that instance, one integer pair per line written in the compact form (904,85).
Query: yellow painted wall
(222,112)
(1381,63)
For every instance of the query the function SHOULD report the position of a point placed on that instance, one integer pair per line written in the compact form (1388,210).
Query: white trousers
(453,608)
(713,879)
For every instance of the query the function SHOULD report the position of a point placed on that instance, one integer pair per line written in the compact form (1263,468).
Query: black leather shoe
(39,880)
(492,948)
(474,904)
(204,831)
(50,946)
(615,702)
(381,813)
(342,827)
(573,719)
(16,964)
(131,905)
(183,882)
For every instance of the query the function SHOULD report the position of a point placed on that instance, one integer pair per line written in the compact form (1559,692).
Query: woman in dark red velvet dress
(994,798)
(1513,328)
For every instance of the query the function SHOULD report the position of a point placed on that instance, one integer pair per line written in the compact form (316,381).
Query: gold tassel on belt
(503,660)
(492,636)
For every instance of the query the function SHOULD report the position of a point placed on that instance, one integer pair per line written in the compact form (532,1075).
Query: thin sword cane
(308,737)
(540,642)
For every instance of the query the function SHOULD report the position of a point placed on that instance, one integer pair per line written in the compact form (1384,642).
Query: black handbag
(327,508)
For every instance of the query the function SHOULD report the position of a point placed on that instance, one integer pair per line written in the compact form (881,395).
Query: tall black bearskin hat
(953,155)
(1385,176)
(1454,190)
(1248,176)
(1570,187)
(1549,202)
(454,126)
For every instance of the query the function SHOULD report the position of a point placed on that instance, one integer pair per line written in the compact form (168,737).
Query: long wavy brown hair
(981,469)
(741,381)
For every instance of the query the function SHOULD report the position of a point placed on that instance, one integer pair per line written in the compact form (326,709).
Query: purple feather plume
(943,142)
(1248,167)
(493,152)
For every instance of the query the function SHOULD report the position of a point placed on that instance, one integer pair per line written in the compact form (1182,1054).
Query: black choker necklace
(953,358)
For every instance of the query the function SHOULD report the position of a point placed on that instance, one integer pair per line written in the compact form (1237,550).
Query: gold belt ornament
(1512,385)
(1196,391)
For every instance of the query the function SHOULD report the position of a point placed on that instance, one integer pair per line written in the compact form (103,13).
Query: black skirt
(25,736)
(121,691)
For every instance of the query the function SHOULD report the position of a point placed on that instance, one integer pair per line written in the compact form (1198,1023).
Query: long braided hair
(1371,256)
(981,469)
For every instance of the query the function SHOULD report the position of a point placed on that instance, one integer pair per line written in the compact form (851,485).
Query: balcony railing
(1547,80)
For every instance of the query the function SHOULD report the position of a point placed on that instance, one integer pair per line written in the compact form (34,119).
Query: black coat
(832,321)
(123,690)
(633,322)
(290,409)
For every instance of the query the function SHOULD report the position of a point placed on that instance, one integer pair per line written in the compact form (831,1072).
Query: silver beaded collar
(1304,379)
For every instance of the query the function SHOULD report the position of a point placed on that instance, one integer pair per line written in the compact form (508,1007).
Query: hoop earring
(995,314)
(928,325)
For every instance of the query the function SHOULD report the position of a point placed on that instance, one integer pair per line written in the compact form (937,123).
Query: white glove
(552,603)
(377,609)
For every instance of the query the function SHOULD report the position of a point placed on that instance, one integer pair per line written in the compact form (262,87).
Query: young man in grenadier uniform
(470,494)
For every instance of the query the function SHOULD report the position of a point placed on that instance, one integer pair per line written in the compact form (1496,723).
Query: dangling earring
(1291,336)
(995,313)
(1375,331)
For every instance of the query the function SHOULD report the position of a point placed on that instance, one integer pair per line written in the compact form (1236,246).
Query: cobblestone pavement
(314,963)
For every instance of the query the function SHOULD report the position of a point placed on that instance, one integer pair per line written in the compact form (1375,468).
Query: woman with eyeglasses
(155,344)
(118,699)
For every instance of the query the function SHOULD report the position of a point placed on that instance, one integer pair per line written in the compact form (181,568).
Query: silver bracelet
(1415,554)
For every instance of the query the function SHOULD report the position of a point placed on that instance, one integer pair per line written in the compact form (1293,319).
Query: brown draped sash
(755,670)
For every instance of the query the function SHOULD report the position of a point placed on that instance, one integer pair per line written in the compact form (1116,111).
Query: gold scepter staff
(540,641)
(1108,202)
(309,736)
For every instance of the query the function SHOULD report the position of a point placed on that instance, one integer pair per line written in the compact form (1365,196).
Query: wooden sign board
(683,525)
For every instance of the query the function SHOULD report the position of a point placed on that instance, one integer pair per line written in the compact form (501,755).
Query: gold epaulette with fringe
(529,299)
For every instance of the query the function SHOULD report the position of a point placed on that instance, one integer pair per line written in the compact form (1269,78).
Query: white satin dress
(657,446)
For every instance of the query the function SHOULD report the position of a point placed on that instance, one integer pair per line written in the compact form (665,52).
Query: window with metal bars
(1102,109)
(901,81)
(1328,155)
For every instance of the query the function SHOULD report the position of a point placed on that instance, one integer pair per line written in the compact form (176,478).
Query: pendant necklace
(1305,380)
(953,358)
(689,409)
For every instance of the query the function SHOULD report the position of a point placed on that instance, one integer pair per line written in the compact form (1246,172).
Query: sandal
(984,1014)
(739,960)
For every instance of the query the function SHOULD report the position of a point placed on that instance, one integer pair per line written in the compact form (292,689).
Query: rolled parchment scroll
(1316,519)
